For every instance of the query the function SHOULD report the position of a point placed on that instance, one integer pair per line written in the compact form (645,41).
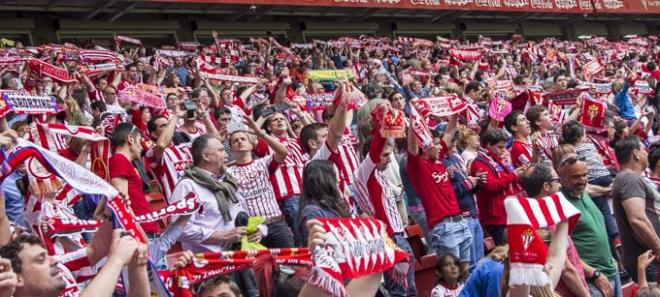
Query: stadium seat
(415,237)
(157,201)
(628,289)
(489,245)
(425,276)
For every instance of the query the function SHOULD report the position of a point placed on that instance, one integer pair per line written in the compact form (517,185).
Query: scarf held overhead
(355,248)
(527,251)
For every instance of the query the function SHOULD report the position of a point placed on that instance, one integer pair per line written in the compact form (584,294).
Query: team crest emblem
(527,238)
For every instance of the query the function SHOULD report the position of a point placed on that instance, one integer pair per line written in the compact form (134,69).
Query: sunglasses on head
(570,160)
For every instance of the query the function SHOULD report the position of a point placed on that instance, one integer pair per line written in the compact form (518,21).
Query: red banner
(556,6)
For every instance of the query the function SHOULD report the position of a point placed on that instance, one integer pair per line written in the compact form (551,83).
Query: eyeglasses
(553,180)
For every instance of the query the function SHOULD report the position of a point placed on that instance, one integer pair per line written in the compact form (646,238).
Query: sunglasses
(570,160)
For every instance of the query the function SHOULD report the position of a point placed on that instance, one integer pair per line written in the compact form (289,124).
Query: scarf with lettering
(564,97)
(188,205)
(225,191)
(82,180)
(355,248)
(465,55)
(209,265)
(46,69)
(28,104)
(527,251)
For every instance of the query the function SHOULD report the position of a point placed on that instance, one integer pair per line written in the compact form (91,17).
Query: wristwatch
(595,275)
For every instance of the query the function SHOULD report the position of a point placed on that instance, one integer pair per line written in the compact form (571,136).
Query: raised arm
(121,252)
(117,78)
(278,147)
(557,252)
(165,138)
(413,148)
(338,122)
(452,125)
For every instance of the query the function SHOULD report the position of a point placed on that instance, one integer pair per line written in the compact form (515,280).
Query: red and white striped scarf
(119,39)
(46,69)
(96,56)
(527,251)
(420,128)
(355,248)
(209,265)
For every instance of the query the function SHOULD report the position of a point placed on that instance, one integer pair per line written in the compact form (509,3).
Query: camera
(273,109)
(191,108)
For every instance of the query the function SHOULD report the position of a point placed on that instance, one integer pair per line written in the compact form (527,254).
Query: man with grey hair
(213,228)
(589,235)
(540,180)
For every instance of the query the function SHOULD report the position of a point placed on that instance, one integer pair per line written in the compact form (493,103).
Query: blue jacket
(464,193)
(622,101)
(484,281)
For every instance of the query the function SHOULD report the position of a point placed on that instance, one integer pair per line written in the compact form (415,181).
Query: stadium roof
(434,11)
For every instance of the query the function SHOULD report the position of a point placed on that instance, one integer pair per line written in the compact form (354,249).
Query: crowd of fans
(273,136)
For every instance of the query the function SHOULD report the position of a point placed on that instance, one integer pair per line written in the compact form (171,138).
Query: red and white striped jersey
(345,159)
(95,94)
(170,169)
(254,187)
(200,130)
(287,178)
(77,264)
(71,289)
(375,193)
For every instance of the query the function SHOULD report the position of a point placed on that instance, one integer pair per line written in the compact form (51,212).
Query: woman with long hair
(320,197)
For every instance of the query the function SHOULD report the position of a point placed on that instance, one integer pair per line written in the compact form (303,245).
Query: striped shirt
(345,160)
(595,165)
(169,170)
(348,155)
(375,193)
(286,180)
(200,129)
(254,187)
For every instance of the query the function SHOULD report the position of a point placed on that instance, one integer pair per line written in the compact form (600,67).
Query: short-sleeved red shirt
(120,166)
(521,153)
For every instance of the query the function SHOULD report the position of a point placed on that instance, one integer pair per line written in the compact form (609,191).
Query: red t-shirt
(431,181)
(121,167)
(521,153)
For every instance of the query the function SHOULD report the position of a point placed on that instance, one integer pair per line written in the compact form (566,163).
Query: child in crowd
(449,277)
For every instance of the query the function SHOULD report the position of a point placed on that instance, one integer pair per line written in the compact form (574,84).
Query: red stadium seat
(425,276)
(628,289)
(157,201)
(489,245)
(415,236)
